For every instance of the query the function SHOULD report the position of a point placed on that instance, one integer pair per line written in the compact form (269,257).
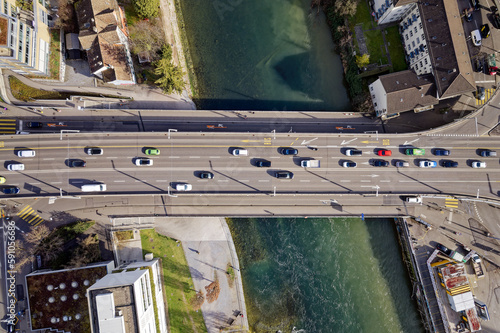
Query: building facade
(25,37)
(388,11)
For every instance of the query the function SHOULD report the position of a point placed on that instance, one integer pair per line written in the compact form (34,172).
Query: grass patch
(178,283)
(131,14)
(55,54)
(396,49)
(362,15)
(124,234)
(375,45)
(72,230)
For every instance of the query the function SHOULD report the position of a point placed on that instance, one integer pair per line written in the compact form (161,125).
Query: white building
(387,11)
(124,301)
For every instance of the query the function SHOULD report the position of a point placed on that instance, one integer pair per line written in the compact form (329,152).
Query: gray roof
(406,90)
(447,46)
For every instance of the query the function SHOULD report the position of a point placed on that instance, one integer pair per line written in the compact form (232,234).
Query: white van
(15,167)
(26,153)
(476,37)
(417,200)
(240,152)
(94,187)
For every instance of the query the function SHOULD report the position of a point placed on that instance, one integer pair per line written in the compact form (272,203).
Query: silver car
(183,187)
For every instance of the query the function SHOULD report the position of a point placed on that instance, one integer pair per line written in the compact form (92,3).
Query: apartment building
(388,11)
(25,37)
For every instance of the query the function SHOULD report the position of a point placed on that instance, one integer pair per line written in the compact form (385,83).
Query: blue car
(10,190)
(441,152)
(427,164)
(289,151)
(450,164)
(380,163)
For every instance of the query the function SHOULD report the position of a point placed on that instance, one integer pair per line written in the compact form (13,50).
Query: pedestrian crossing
(451,203)
(7,126)
(28,214)
(488,93)
(2,213)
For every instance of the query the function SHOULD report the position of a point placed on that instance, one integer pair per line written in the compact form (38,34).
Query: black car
(444,249)
(77,163)
(283,174)
(496,20)
(468,14)
(10,190)
(485,31)
(93,151)
(288,151)
(450,164)
(206,175)
(380,163)
(263,163)
(479,65)
(34,124)
(441,152)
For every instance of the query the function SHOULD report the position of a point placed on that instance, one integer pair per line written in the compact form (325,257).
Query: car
(263,164)
(417,200)
(26,153)
(496,20)
(15,167)
(93,151)
(415,151)
(2,179)
(485,30)
(444,249)
(288,151)
(143,161)
(478,164)
(468,14)
(152,151)
(353,152)
(480,94)
(441,152)
(475,4)
(479,65)
(240,152)
(402,164)
(476,37)
(427,164)
(450,164)
(77,163)
(10,190)
(384,152)
(183,187)
(380,163)
(206,175)
(283,174)
(349,164)
(34,124)
(488,153)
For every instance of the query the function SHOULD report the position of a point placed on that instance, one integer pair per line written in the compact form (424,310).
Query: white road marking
(263,180)
(111,157)
(304,180)
(345,181)
(119,181)
(48,159)
(223,180)
(194,156)
(214,157)
(244,180)
(174,157)
(385,181)
(365,181)
(161,180)
(56,182)
(325,181)
(275,157)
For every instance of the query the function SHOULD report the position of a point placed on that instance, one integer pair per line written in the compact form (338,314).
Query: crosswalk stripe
(22,210)
(39,222)
(26,214)
(34,218)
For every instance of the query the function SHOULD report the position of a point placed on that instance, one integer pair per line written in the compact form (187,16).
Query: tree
(346,7)
(50,248)
(147,36)
(171,77)
(362,60)
(147,8)
(35,236)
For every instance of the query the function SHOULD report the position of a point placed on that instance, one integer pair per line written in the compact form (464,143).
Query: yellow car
(2,180)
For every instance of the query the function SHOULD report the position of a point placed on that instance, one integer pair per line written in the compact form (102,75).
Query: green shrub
(147,8)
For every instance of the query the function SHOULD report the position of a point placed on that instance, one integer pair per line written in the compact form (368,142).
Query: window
(415,29)
(13,11)
(416,67)
(373,96)
(43,16)
(423,37)
(375,104)
(5,7)
(12,34)
(413,44)
(421,63)
(418,40)
(425,60)
(411,33)
(27,48)
(371,88)
(20,48)
(420,25)
(406,36)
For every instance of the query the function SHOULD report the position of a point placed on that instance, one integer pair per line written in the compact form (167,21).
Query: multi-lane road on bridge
(185,154)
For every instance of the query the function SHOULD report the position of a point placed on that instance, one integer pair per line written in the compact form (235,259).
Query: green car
(152,151)
(415,151)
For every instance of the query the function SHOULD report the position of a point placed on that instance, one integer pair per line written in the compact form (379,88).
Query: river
(262,55)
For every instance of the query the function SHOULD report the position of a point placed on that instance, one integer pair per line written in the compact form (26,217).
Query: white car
(183,187)
(240,152)
(143,161)
(478,164)
(15,167)
(427,164)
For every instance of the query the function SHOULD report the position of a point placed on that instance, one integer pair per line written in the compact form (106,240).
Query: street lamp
(171,130)
(68,131)
(170,195)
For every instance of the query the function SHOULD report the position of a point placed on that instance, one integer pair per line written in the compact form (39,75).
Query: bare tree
(147,36)
(35,236)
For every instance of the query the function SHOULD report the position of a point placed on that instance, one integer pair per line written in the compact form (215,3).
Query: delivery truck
(309,163)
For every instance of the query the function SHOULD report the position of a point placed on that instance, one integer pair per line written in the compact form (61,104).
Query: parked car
(427,164)
(481,95)
(2,179)
(485,31)
(34,124)
(206,175)
(353,152)
(288,151)
(450,164)
(476,37)
(263,164)
(10,190)
(283,174)
(488,153)
(479,65)
(141,161)
(444,249)
(240,152)
(384,152)
(183,187)
(152,151)
(468,14)
(478,164)
(496,20)
(349,164)
(441,152)
(93,151)
(77,163)
(402,164)
(15,167)
(415,151)
(380,163)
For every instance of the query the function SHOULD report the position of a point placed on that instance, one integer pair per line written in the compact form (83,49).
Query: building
(435,44)
(25,37)
(125,301)
(103,36)
(388,11)
(403,91)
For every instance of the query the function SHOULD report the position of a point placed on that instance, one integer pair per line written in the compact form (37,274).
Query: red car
(384,152)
